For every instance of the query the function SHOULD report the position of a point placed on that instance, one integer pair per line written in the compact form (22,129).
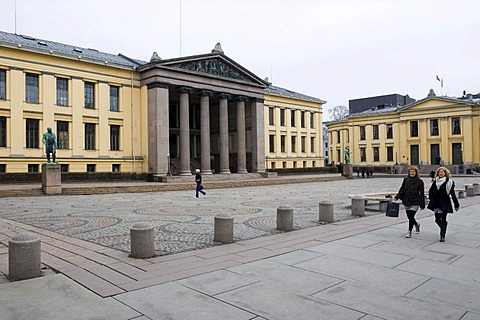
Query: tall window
(31,88)
(389,153)
(294,144)
(282,117)
(3,131)
(363,154)
(434,127)
(376,154)
(389,131)
(271,143)
(302,119)
(303,144)
(292,118)
(413,128)
(89,136)
(3,84)
(282,143)
(362,133)
(32,133)
(312,120)
(312,144)
(338,136)
(271,116)
(62,134)
(62,92)
(114,98)
(114,137)
(456,126)
(375,132)
(89,95)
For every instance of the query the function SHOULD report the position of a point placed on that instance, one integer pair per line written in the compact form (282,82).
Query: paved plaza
(355,268)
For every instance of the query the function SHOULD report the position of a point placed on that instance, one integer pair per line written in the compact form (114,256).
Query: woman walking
(439,194)
(412,194)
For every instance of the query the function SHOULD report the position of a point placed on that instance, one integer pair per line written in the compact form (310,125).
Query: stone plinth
(51,178)
(358,206)
(24,257)
(348,171)
(284,218)
(325,211)
(223,228)
(142,241)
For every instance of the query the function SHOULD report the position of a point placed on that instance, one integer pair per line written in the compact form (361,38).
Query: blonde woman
(443,187)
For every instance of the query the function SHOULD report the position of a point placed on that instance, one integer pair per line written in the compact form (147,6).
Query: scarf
(411,181)
(439,181)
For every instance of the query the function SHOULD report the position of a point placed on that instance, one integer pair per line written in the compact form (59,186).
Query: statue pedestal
(51,179)
(348,171)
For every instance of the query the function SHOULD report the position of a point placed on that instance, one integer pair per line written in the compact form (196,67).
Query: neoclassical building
(114,113)
(431,131)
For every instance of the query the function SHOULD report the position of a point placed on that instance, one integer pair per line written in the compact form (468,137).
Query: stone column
(205,131)
(224,148)
(258,136)
(241,145)
(158,128)
(184,131)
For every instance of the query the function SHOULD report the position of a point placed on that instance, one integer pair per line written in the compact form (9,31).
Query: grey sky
(332,50)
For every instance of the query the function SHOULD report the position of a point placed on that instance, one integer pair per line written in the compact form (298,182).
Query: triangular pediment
(214,65)
(434,103)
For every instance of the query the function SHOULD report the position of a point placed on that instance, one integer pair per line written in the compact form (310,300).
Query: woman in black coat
(439,194)
(412,194)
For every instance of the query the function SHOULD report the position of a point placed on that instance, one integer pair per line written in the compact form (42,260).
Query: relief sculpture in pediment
(212,66)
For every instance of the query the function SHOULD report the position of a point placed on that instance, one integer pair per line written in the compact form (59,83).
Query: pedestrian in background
(412,194)
(198,180)
(442,188)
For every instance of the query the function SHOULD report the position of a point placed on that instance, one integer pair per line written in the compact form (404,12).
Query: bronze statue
(50,141)
(347,155)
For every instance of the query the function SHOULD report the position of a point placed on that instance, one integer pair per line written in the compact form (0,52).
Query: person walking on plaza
(439,194)
(412,194)
(198,180)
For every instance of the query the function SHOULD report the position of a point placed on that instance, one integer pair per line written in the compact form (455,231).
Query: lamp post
(169,174)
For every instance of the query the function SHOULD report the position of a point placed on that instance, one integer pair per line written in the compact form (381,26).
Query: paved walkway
(360,268)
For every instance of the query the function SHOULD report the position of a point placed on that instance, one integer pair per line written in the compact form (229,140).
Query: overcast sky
(335,50)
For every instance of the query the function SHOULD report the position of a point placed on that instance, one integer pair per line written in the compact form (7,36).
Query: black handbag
(393,209)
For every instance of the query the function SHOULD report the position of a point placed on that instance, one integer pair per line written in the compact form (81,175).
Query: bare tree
(338,113)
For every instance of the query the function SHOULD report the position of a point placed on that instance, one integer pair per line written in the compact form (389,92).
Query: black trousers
(411,219)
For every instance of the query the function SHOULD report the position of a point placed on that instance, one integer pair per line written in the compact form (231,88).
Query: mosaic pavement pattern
(181,221)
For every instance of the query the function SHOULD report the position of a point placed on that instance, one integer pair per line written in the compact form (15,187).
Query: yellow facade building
(432,131)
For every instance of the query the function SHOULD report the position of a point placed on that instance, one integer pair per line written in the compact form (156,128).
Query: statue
(50,141)
(347,155)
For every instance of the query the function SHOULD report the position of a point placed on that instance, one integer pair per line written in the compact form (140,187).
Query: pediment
(433,103)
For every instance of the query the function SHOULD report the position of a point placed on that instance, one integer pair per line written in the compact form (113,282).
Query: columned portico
(205,131)
(184,131)
(241,144)
(258,129)
(224,152)
(158,148)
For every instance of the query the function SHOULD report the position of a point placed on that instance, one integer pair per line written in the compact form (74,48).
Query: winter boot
(443,231)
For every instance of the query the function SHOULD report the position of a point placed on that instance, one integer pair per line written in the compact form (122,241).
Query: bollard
(325,211)
(358,206)
(223,228)
(461,194)
(142,241)
(470,191)
(476,188)
(284,218)
(24,257)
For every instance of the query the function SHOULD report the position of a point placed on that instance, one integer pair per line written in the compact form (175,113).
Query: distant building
(389,100)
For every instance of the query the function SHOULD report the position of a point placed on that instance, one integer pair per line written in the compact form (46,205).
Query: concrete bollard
(476,188)
(325,211)
(284,218)
(358,206)
(223,228)
(470,191)
(461,194)
(24,257)
(142,241)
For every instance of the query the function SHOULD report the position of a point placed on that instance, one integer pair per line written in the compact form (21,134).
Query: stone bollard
(476,188)
(358,206)
(223,228)
(470,191)
(461,194)
(284,218)
(325,211)
(142,241)
(24,257)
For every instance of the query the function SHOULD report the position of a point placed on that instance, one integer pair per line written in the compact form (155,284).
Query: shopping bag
(392,209)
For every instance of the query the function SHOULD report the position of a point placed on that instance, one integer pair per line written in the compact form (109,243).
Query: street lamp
(169,173)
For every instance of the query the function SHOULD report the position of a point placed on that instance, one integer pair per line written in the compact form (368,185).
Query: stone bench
(382,198)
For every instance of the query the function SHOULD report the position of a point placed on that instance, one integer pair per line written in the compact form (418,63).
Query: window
(456,126)
(3,131)
(294,144)
(338,136)
(282,143)
(62,92)
(339,156)
(282,117)
(376,154)
(32,133)
(3,84)
(271,116)
(312,144)
(62,134)
(389,131)
(32,167)
(3,167)
(362,133)
(89,95)
(292,118)
(114,137)
(363,155)
(434,127)
(389,153)
(89,136)
(375,132)
(31,88)
(302,119)
(64,167)
(115,167)
(271,143)
(303,144)
(114,98)
(312,120)
(91,167)
(413,128)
